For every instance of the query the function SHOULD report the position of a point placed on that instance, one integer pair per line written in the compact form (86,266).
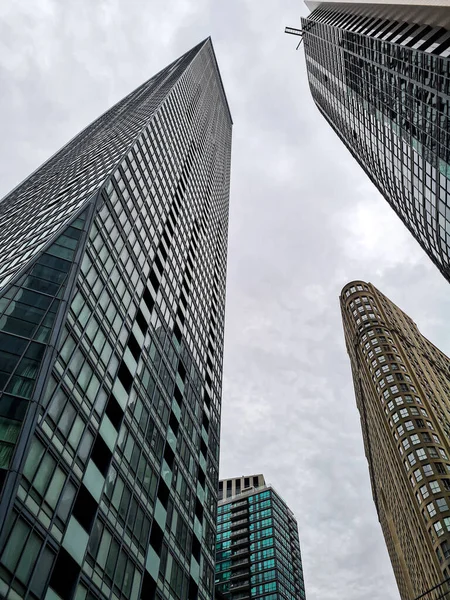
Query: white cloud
(304,220)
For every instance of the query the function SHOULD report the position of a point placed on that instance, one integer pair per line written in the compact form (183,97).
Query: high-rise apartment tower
(112,291)
(379,72)
(257,546)
(402,387)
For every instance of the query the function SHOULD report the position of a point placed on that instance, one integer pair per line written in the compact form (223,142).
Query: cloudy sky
(304,220)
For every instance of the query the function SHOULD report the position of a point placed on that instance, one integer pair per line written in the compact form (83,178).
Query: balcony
(242,561)
(239,514)
(240,522)
(243,583)
(242,531)
(241,551)
(240,596)
(240,573)
(240,541)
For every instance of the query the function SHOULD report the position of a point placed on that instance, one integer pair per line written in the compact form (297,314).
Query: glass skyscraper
(380,75)
(112,292)
(257,547)
(402,388)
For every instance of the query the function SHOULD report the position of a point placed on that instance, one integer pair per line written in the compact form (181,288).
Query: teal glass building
(112,293)
(257,545)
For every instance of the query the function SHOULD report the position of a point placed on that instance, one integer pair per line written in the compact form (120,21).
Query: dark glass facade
(257,548)
(380,74)
(112,292)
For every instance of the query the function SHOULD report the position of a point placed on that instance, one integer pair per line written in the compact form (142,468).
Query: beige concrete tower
(402,387)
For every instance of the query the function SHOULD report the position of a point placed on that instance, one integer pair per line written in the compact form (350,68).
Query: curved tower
(402,388)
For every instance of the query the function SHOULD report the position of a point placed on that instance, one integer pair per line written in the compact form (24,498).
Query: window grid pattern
(27,314)
(401,382)
(47,199)
(122,472)
(386,94)
(257,548)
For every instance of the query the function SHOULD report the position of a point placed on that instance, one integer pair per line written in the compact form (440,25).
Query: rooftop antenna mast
(297,32)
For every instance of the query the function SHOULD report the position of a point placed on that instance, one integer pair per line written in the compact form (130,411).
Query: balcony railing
(235,523)
(240,596)
(239,584)
(242,561)
(239,531)
(439,592)
(241,551)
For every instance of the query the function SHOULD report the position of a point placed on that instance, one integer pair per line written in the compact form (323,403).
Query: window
(438,528)
(421,454)
(435,488)
(424,491)
(406,444)
(412,459)
(418,475)
(415,439)
(428,470)
(442,504)
(21,553)
(409,426)
(431,509)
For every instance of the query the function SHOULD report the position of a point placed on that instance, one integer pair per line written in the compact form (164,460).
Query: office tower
(257,546)
(380,74)
(402,388)
(112,291)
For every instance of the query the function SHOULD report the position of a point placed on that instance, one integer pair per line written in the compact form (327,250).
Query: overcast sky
(304,220)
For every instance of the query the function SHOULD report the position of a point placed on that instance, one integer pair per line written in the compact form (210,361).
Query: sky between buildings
(304,220)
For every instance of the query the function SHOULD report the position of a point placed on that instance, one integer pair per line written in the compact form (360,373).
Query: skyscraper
(112,292)
(402,388)
(379,72)
(257,546)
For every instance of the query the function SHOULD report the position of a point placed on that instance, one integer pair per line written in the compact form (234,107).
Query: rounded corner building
(402,388)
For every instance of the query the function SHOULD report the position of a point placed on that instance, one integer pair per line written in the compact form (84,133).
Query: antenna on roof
(294,31)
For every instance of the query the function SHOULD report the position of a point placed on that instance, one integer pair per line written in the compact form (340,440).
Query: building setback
(112,292)
(257,545)
(380,74)
(402,388)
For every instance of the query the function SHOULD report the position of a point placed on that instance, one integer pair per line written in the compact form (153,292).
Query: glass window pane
(15,545)
(28,558)
(55,487)
(33,459)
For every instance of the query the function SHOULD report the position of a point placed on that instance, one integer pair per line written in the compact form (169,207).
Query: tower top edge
(313,4)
